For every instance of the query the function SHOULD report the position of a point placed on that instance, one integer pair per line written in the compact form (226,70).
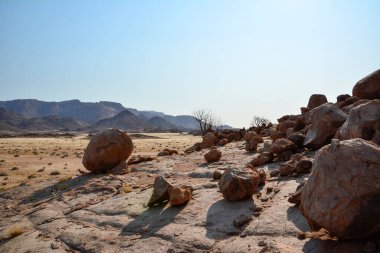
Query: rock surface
(361,121)
(180,195)
(368,87)
(281,145)
(316,100)
(325,121)
(238,184)
(213,155)
(106,150)
(342,193)
(160,191)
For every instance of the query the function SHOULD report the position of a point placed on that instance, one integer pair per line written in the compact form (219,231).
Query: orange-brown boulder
(238,184)
(213,155)
(316,100)
(342,194)
(160,191)
(209,140)
(368,87)
(282,145)
(180,194)
(106,150)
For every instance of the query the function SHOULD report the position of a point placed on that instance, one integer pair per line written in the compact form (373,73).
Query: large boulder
(361,121)
(106,150)
(238,184)
(368,87)
(316,100)
(325,121)
(342,194)
(281,145)
(261,158)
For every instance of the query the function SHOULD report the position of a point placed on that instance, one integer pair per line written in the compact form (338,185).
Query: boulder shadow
(221,215)
(294,215)
(315,245)
(152,220)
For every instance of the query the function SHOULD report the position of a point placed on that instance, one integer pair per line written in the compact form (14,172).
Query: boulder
(281,145)
(261,158)
(298,164)
(106,150)
(342,194)
(368,87)
(209,140)
(274,134)
(265,147)
(297,138)
(217,174)
(253,142)
(316,100)
(238,184)
(213,155)
(342,97)
(325,121)
(180,194)
(249,135)
(361,121)
(283,126)
(160,191)
(223,142)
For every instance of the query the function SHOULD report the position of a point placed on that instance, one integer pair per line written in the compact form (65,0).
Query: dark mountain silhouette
(10,121)
(125,120)
(162,124)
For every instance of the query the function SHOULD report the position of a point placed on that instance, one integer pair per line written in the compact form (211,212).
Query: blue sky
(237,58)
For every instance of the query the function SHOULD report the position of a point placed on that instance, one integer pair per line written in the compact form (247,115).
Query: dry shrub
(14,230)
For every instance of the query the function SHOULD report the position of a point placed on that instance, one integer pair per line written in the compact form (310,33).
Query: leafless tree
(206,120)
(258,121)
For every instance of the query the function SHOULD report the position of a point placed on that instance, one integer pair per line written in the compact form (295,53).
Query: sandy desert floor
(32,160)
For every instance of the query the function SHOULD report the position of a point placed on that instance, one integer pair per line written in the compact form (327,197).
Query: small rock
(217,175)
(180,194)
(54,245)
(262,243)
(160,191)
(274,173)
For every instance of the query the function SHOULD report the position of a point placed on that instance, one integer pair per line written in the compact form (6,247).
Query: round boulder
(238,184)
(281,145)
(368,87)
(213,155)
(342,194)
(106,150)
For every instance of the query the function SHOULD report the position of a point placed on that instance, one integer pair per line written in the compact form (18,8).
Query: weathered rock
(106,150)
(262,158)
(253,142)
(285,125)
(209,140)
(213,155)
(238,184)
(249,135)
(217,175)
(274,134)
(160,191)
(285,156)
(274,173)
(265,147)
(342,194)
(342,98)
(316,100)
(368,87)
(281,145)
(180,195)
(297,138)
(361,121)
(168,152)
(325,121)
(223,142)
(295,198)
(139,159)
(298,164)
(263,177)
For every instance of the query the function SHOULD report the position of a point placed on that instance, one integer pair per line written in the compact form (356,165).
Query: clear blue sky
(238,58)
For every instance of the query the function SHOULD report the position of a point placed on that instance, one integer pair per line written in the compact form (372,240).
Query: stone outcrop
(316,100)
(325,121)
(361,122)
(238,184)
(106,150)
(368,87)
(342,194)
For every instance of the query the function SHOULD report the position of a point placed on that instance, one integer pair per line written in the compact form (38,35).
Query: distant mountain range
(74,115)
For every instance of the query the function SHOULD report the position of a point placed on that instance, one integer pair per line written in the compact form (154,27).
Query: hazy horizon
(237,58)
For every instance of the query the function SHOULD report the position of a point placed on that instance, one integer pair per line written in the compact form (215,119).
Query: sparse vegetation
(258,121)
(127,188)
(14,230)
(207,120)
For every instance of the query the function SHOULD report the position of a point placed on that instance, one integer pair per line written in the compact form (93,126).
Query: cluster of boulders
(164,191)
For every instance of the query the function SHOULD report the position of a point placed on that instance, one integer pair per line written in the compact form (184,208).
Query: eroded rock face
(297,138)
(325,121)
(160,191)
(316,100)
(238,184)
(106,150)
(281,145)
(361,121)
(368,87)
(213,155)
(180,194)
(342,194)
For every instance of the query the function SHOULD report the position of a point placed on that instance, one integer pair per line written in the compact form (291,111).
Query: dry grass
(14,230)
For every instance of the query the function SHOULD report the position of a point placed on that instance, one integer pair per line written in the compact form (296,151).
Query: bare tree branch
(258,121)
(206,120)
